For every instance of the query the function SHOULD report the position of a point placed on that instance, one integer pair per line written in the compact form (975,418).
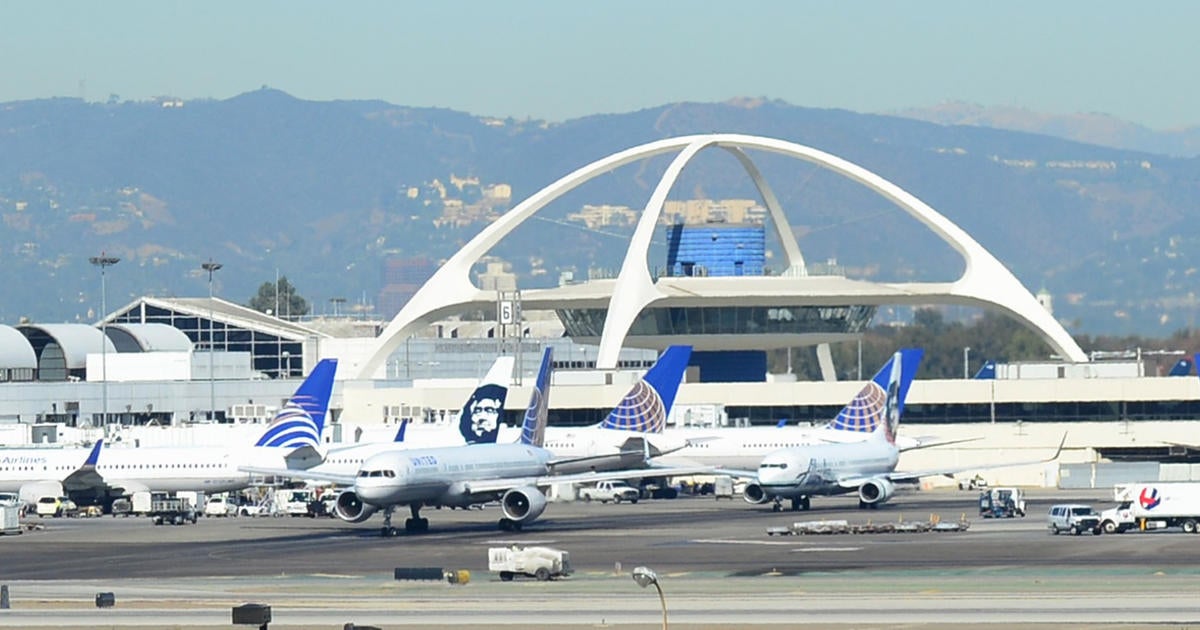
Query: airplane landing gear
(387,531)
(778,505)
(416,524)
(800,503)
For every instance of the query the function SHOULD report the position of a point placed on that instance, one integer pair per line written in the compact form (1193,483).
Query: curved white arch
(985,280)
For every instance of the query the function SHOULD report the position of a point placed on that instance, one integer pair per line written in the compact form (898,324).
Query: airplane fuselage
(442,476)
(822,469)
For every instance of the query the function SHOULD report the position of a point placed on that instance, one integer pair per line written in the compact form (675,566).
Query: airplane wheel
(776,508)
(804,504)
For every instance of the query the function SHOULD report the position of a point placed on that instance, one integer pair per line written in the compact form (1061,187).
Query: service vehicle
(9,499)
(1002,503)
(610,490)
(1073,517)
(171,510)
(1155,505)
(56,506)
(219,506)
(541,563)
(295,502)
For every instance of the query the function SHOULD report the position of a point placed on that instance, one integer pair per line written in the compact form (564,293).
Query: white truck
(542,563)
(1154,505)
(610,490)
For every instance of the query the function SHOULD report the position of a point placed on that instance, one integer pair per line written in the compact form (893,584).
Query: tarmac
(716,565)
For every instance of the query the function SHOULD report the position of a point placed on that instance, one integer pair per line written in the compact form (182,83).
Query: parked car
(56,506)
(614,490)
(1073,517)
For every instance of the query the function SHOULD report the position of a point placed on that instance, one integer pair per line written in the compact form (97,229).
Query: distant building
(401,279)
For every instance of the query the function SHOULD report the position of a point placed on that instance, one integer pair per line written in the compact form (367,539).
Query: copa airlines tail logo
(1149,498)
(292,427)
(642,410)
(864,413)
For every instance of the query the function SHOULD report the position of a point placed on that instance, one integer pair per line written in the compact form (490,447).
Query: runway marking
(808,549)
(729,541)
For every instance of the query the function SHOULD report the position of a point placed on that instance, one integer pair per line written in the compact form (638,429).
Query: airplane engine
(754,494)
(876,491)
(523,505)
(351,509)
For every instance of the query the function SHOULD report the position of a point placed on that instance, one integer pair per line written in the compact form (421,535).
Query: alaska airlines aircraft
(478,423)
(868,467)
(467,475)
(294,435)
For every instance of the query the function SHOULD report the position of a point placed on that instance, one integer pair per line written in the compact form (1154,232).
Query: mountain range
(324,192)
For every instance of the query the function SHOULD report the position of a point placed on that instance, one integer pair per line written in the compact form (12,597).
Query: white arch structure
(985,281)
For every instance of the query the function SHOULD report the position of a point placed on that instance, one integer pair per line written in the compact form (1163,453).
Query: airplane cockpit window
(389,473)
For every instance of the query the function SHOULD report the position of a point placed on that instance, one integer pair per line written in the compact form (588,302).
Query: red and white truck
(1154,505)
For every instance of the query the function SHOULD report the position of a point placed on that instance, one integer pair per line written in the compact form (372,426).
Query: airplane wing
(289,473)
(485,486)
(911,476)
(930,442)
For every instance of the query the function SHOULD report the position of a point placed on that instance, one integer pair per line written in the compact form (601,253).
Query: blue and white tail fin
(646,407)
(400,432)
(877,407)
(986,372)
(479,421)
(1182,367)
(533,428)
(302,419)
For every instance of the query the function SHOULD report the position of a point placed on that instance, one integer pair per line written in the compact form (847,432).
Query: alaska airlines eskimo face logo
(480,418)
(865,412)
(292,427)
(642,410)
(1149,498)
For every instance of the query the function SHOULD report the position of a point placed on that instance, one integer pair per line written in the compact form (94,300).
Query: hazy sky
(563,59)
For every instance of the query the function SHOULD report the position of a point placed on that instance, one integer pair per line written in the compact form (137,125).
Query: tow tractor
(1002,503)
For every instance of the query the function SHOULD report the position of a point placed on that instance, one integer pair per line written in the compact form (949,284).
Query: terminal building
(223,363)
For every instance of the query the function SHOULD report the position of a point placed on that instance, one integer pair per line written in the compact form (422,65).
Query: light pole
(211,267)
(103,262)
(644,576)
(967,362)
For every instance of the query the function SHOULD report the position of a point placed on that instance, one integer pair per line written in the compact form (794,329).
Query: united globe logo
(641,410)
(864,413)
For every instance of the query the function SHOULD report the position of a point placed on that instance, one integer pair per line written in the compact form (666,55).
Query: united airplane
(867,468)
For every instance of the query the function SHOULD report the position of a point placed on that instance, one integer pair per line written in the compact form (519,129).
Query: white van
(1073,517)
(56,506)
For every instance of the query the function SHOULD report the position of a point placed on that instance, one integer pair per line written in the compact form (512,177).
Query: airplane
(96,477)
(867,468)
(731,447)
(479,423)
(462,476)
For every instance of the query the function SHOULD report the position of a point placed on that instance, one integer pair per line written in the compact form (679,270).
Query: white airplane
(738,447)
(466,475)
(867,468)
(479,423)
(96,477)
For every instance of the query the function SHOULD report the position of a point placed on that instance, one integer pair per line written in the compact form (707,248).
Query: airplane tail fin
(479,421)
(877,407)
(1182,367)
(987,372)
(400,432)
(302,419)
(646,406)
(533,429)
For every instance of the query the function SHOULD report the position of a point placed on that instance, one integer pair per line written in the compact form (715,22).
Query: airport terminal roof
(76,341)
(148,338)
(220,310)
(15,351)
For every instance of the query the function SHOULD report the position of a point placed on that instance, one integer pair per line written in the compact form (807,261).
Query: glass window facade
(726,320)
